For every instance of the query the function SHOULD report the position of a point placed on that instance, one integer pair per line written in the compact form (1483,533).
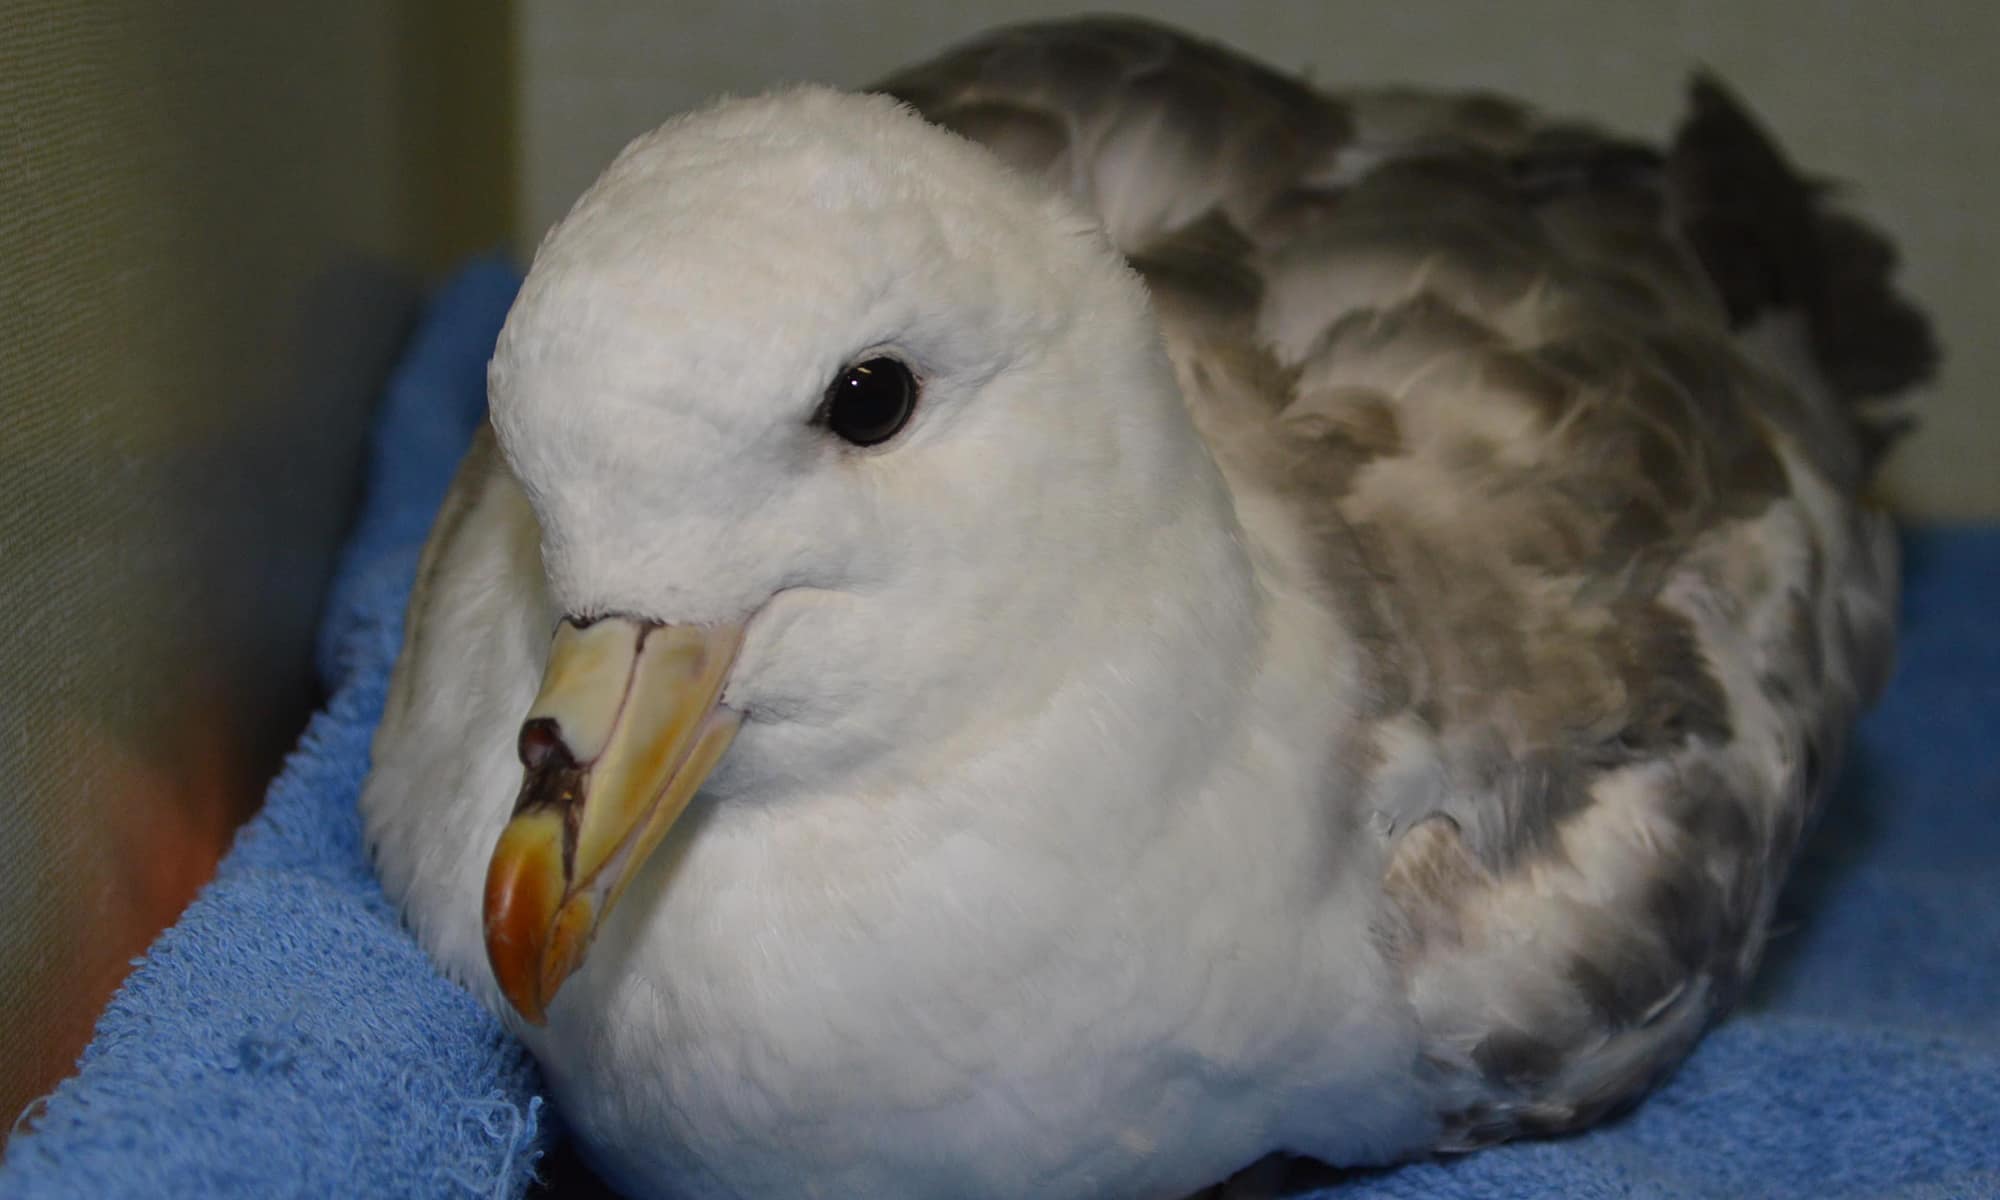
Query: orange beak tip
(568,942)
(524,885)
(516,969)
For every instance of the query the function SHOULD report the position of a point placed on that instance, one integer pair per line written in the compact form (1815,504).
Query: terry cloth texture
(287,1038)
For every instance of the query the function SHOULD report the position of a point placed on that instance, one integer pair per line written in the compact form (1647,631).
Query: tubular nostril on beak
(540,739)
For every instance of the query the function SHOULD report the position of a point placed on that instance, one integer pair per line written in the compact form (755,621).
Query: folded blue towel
(287,1037)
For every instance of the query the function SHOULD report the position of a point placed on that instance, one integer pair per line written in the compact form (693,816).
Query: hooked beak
(624,730)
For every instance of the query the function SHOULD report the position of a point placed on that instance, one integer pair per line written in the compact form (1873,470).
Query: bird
(1097,612)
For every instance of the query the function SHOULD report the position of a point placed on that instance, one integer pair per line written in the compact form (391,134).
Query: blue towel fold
(287,1037)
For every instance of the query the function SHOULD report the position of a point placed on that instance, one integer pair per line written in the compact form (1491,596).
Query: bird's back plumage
(1577,428)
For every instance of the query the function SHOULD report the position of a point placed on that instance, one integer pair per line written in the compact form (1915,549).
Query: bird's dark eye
(868,402)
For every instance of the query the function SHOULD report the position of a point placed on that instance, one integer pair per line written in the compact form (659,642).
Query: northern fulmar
(1096,613)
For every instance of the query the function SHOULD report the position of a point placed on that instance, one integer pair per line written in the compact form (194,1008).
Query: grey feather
(1600,536)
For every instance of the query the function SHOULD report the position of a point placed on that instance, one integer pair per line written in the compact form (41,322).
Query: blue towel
(287,1037)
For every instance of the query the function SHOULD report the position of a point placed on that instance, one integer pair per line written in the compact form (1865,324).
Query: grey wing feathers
(1152,130)
(1604,553)
(1772,242)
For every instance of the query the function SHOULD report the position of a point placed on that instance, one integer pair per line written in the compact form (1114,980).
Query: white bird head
(843,440)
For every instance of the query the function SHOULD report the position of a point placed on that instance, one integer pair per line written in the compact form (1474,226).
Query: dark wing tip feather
(1772,240)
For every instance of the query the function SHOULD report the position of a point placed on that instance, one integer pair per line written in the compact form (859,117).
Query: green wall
(213,219)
